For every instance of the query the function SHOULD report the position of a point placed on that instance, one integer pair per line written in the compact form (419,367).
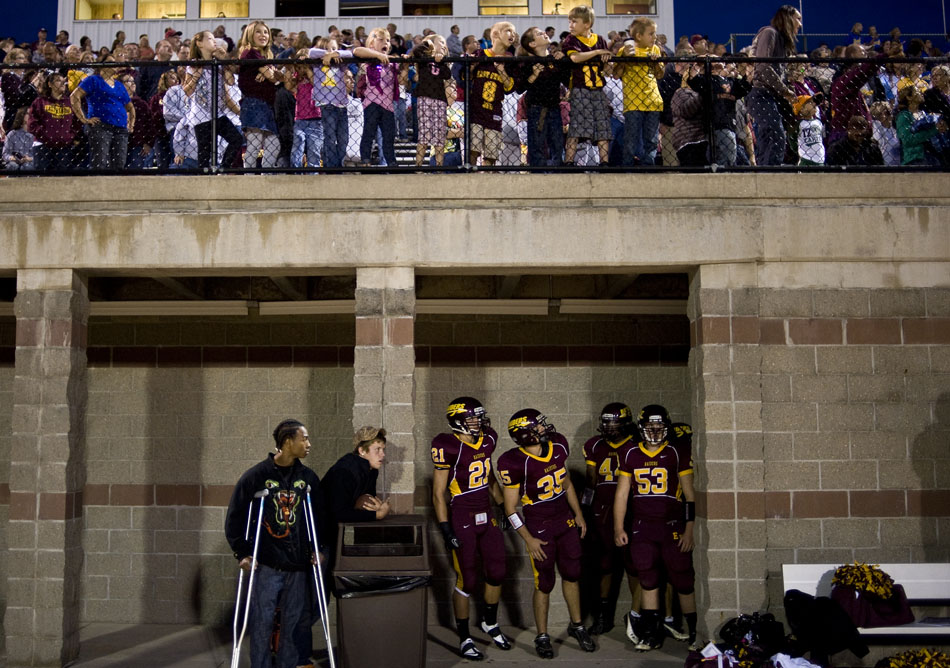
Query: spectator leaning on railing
(776,40)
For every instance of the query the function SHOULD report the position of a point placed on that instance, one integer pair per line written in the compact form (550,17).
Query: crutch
(318,576)
(236,647)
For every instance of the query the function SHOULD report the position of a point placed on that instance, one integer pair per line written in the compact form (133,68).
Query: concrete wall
(825,422)
(6,409)
(173,421)
(817,376)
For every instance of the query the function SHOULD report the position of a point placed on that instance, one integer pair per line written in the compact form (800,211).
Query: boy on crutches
(285,557)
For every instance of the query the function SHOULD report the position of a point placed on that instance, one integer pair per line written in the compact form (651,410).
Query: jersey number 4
(651,481)
(608,469)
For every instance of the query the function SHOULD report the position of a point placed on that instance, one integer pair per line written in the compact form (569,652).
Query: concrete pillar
(384,363)
(725,368)
(47,469)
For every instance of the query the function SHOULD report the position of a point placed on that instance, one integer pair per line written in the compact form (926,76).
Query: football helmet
(466,415)
(616,421)
(654,424)
(529,427)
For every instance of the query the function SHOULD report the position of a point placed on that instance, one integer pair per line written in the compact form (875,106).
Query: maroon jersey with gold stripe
(539,479)
(469,466)
(590,73)
(655,482)
(604,456)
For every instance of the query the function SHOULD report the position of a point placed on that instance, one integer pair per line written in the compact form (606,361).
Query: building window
(300,8)
(561,7)
(98,10)
(498,7)
(629,7)
(161,9)
(364,7)
(224,9)
(427,7)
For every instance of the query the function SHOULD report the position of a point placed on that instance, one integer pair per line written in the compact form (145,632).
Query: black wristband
(689,511)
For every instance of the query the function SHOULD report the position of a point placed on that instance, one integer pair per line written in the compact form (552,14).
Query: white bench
(923,583)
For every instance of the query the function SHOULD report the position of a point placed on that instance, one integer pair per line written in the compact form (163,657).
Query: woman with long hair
(258,84)
(55,126)
(769,89)
(198,86)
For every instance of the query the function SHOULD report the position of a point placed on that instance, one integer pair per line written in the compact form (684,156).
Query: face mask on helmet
(467,416)
(529,427)
(654,431)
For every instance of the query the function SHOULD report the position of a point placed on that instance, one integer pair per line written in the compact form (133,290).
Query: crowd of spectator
(576,98)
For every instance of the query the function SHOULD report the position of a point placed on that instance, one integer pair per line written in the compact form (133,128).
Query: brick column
(725,366)
(47,469)
(384,363)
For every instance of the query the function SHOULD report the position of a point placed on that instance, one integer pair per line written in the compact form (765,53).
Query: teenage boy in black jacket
(284,554)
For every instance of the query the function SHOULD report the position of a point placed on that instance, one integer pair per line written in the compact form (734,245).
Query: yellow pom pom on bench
(916,658)
(868,578)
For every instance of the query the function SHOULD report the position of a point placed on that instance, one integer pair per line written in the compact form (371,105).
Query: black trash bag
(821,625)
(756,637)
(357,586)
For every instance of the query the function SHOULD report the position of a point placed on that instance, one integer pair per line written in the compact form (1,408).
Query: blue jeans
(400,112)
(290,591)
(641,132)
(770,134)
(724,148)
(308,139)
(108,146)
(336,133)
(135,159)
(374,116)
(545,137)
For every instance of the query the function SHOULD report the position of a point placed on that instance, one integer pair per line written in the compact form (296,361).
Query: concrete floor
(168,646)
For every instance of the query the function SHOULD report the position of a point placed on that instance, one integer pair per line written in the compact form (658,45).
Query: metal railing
(511,114)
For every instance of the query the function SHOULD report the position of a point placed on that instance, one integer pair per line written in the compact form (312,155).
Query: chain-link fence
(328,114)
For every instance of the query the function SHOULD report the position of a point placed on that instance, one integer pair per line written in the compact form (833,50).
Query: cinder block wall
(826,433)
(177,411)
(566,367)
(6,409)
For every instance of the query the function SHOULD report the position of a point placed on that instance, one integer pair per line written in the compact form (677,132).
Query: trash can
(380,579)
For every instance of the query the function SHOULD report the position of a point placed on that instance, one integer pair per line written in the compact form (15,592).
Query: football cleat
(542,645)
(469,651)
(499,638)
(672,632)
(694,643)
(601,625)
(631,620)
(648,644)
(579,633)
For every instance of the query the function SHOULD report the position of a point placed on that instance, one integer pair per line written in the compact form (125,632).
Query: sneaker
(631,626)
(579,633)
(601,625)
(671,631)
(469,651)
(542,645)
(497,636)
(694,642)
(648,643)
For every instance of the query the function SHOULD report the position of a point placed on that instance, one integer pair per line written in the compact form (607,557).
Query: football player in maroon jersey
(602,454)
(536,473)
(651,477)
(462,461)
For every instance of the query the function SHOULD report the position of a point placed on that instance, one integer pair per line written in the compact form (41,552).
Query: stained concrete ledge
(484,223)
